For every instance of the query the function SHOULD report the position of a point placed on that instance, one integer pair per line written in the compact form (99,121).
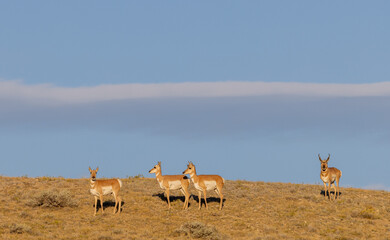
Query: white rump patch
(120,182)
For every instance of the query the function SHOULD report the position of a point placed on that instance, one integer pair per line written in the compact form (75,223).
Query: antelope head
(324,163)
(156,169)
(93,173)
(190,168)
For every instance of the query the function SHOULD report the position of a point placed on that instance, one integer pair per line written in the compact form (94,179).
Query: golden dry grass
(252,210)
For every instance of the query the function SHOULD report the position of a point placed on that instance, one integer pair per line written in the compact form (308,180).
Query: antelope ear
(159,163)
(90,170)
(97,169)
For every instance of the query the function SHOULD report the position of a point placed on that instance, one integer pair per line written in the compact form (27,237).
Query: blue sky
(249,90)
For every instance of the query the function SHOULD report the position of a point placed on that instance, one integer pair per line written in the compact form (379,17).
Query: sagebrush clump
(198,230)
(19,228)
(52,198)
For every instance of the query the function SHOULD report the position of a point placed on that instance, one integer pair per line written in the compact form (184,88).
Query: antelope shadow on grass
(209,200)
(326,194)
(171,198)
(108,203)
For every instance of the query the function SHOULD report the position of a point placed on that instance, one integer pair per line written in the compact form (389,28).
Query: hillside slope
(252,210)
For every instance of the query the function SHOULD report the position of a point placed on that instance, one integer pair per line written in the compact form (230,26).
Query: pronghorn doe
(330,175)
(105,187)
(172,182)
(205,183)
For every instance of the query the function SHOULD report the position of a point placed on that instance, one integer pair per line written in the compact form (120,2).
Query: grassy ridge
(252,210)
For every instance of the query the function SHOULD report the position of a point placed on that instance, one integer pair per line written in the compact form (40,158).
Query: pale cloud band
(45,93)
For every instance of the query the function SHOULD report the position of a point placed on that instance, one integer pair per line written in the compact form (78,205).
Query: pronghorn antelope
(172,182)
(105,187)
(330,175)
(205,183)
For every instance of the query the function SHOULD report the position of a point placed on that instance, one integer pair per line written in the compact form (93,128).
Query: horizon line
(370,187)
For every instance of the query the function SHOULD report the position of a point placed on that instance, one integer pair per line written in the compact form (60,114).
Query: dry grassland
(252,210)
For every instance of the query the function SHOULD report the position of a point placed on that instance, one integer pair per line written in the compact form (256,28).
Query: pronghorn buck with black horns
(172,182)
(205,183)
(330,175)
(105,187)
